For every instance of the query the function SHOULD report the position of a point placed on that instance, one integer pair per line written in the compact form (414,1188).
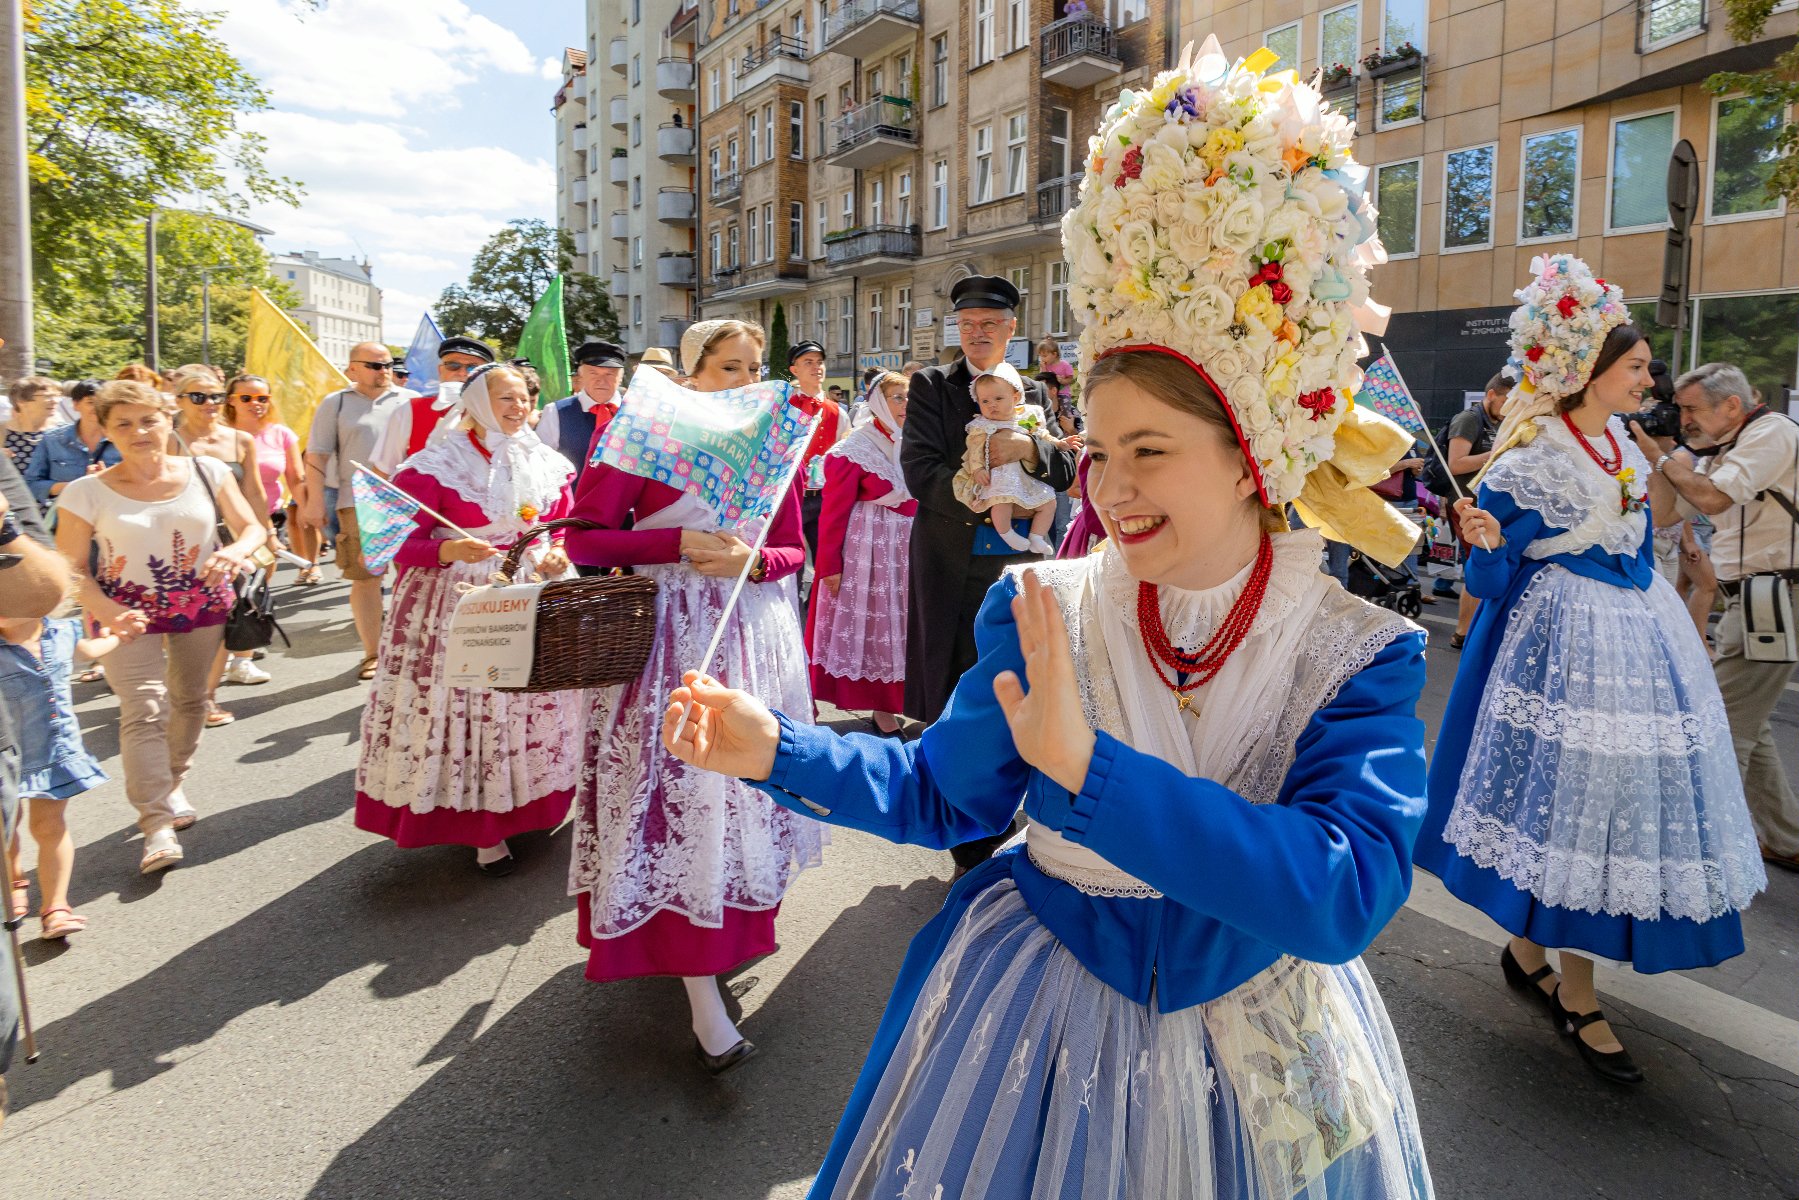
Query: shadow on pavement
(402,901)
(592,1090)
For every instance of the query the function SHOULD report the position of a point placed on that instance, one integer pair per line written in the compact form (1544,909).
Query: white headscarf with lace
(522,476)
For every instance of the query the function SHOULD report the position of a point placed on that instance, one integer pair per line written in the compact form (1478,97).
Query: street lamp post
(206,311)
(152,351)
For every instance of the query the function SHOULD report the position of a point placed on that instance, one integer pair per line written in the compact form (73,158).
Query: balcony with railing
(684,26)
(621,283)
(1078,51)
(884,128)
(578,138)
(674,142)
(780,58)
(618,54)
(619,226)
(670,331)
(1057,196)
(675,269)
(727,189)
(758,281)
(676,206)
(872,245)
(618,112)
(618,170)
(675,78)
(862,28)
(578,190)
(580,241)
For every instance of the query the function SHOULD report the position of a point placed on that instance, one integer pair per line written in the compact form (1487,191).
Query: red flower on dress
(1319,403)
(1132,168)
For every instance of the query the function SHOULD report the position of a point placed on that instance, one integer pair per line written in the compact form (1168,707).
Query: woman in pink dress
(856,630)
(678,871)
(451,766)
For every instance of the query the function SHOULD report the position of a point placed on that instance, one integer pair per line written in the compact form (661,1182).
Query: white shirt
(549,423)
(1754,535)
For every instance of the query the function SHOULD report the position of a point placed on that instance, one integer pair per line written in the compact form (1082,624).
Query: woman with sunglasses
(250,408)
(200,399)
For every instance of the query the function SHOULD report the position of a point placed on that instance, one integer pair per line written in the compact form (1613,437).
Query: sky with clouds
(417,128)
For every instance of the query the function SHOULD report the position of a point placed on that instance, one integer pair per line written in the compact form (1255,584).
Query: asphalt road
(301,1010)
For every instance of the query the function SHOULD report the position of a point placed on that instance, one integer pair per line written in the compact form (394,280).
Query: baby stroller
(1386,586)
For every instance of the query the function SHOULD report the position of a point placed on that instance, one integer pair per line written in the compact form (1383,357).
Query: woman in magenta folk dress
(856,630)
(443,765)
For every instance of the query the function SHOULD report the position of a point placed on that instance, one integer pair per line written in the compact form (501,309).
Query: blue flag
(421,356)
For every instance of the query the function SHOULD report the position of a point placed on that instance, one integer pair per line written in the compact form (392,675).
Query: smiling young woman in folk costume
(1157,994)
(1584,790)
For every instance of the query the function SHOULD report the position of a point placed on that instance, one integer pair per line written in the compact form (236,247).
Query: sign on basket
(493,637)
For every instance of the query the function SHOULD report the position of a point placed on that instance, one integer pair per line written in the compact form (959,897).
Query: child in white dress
(1004,492)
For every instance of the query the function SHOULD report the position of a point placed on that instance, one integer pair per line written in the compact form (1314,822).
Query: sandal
(369,666)
(309,576)
(161,851)
(91,675)
(21,898)
(53,930)
(216,716)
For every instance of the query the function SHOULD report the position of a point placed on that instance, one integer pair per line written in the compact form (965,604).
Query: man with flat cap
(570,425)
(806,363)
(413,423)
(956,554)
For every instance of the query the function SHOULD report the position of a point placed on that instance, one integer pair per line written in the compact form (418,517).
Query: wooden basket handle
(509,568)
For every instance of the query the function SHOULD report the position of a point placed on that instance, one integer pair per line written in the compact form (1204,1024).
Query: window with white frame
(1061,161)
(796,230)
(846,314)
(939,194)
(755,137)
(876,85)
(1020,278)
(636,191)
(821,319)
(1638,185)
(877,317)
(981,50)
(819,218)
(712,164)
(755,239)
(1340,37)
(1667,21)
(637,252)
(940,70)
(818,112)
(1018,29)
(768,232)
(731,242)
(902,200)
(796,129)
(796,28)
(714,94)
(730,79)
(849,210)
(1016,164)
(1549,188)
(636,69)
(877,201)
(637,131)
(902,318)
(768,132)
(731,156)
(714,245)
(981,189)
(1745,149)
(1469,180)
(1401,97)
(823,15)
(1396,198)
(902,75)
(637,310)
(1284,41)
(1055,309)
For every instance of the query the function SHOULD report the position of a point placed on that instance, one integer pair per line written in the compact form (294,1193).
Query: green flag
(545,343)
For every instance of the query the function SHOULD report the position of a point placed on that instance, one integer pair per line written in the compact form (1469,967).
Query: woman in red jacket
(856,631)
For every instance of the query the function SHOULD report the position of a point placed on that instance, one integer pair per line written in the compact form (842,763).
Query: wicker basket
(591,633)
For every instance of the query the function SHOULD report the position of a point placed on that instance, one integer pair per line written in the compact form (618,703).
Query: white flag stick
(1429,436)
(414,501)
(755,550)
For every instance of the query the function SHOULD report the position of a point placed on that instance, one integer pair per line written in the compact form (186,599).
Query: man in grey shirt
(347,424)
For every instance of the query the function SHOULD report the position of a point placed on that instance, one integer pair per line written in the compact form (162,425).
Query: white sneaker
(244,670)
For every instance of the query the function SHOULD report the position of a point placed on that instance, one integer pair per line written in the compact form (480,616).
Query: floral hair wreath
(1223,221)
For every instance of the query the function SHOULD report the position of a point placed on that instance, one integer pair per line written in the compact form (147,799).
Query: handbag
(251,624)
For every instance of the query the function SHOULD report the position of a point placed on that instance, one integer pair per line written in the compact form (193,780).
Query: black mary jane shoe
(498,868)
(1521,982)
(1457,640)
(1615,1066)
(718,1064)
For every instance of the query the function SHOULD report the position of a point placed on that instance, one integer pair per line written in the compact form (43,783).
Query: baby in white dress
(1005,492)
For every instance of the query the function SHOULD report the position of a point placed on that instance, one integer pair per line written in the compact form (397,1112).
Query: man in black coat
(956,555)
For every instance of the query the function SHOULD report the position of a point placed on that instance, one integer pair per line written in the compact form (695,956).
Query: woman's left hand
(1048,727)
(553,563)
(726,563)
(223,564)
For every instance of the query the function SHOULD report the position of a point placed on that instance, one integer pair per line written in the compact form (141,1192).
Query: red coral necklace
(1610,468)
(1202,665)
(474,439)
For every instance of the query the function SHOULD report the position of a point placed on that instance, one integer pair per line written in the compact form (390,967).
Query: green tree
(509,273)
(1776,86)
(129,103)
(778,344)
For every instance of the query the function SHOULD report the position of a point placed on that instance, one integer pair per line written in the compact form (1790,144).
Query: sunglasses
(203,397)
(374,366)
(252,399)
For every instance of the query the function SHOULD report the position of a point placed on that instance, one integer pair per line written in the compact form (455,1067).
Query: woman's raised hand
(1048,726)
(728,731)
(1478,525)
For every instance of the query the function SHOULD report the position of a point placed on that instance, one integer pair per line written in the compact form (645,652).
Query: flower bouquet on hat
(1223,220)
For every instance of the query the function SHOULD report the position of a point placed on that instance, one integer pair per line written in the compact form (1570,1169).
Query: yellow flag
(299,374)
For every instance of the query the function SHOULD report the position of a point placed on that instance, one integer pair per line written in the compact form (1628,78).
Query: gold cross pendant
(1186,702)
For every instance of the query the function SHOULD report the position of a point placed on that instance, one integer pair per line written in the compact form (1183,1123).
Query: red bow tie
(809,405)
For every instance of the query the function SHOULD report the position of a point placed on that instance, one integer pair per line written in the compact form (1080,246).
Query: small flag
(298,372)
(1384,391)
(421,356)
(545,342)
(384,518)
(734,450)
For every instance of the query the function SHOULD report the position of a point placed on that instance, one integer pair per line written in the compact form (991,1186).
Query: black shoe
(718,1064)
(498,868)
(1615,1066)
(1456,640)
(1519,981)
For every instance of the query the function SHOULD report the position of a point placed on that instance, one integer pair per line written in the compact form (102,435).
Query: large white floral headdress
(1223,221)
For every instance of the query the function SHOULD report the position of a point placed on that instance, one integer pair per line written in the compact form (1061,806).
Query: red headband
(1255,466)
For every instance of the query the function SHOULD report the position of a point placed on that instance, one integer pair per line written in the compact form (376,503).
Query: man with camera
(1749,487)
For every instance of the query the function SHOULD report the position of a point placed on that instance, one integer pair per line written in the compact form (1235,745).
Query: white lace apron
(860,633)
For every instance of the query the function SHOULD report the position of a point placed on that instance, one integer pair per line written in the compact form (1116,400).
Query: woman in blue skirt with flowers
(1584,790)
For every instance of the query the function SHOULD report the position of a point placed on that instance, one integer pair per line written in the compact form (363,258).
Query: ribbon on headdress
(1336,500)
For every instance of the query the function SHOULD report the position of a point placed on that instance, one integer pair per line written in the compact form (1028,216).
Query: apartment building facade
(641,204)
(340,306)
(859,158)
(572,185)
(1517,128)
